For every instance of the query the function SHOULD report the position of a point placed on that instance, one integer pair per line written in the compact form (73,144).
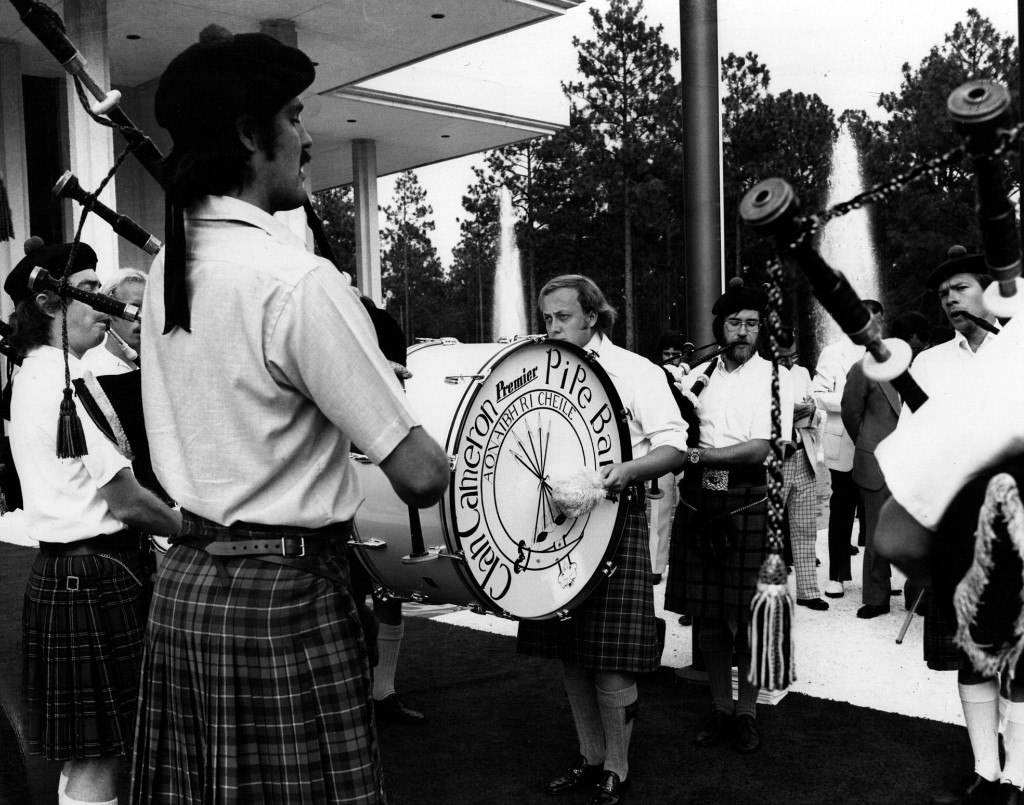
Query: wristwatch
(693,455)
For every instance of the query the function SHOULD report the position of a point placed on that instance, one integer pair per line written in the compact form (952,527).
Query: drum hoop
(466,402)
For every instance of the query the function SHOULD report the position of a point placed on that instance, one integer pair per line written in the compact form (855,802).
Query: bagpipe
(991,629)
(48,28)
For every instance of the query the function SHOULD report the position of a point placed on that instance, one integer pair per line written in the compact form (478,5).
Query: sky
(847,51)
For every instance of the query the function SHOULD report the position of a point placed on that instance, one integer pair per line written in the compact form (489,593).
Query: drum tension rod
(418,553)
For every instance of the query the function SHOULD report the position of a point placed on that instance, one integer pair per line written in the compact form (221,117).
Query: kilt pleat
(614,628)
(257,691)
(719,588)
(941,653)
(82,651)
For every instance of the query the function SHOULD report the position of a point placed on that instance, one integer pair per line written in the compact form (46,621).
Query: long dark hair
(30,323)
(217,165)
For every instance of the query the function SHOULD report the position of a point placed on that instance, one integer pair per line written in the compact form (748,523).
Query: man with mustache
(960,281)
(719,535)
(262,368)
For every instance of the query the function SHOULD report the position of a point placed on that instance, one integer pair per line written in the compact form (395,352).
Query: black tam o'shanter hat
(53,258)
(957,261)
(201,94)
(740,297)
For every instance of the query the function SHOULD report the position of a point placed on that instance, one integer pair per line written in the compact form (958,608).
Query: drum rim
(448,525)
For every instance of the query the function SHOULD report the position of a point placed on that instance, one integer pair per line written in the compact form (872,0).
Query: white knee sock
(62,784)
(617,711)
(1013,741)
(389,641)
(586,715)
(64,799)
(981,713)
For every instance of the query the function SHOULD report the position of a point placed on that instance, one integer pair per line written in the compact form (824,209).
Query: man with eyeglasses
(834,364)
(719,535)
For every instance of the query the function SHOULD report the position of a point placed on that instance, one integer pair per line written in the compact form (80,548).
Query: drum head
(542,411)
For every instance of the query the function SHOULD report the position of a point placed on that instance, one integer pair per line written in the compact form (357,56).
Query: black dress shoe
(392,709)
(818,604)
(714,730)
(869,611)
(745,736)
(1009,794)
(611,790)
(686,620)
(975,791)
(578,775)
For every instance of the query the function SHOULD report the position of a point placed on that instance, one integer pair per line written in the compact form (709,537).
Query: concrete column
(90,145)
(364,186)
(13,165)
(698,22)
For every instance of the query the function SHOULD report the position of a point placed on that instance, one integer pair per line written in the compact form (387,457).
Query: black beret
(54,259)
(958,262)
(209,84)
(740,297)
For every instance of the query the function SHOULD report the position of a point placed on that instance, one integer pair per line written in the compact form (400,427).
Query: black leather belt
(306,549)
(127,540)
(721,480)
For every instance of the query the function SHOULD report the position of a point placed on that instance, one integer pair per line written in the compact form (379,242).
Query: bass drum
(514,419)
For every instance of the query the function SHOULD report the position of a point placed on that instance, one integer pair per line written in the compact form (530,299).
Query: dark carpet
(499,726)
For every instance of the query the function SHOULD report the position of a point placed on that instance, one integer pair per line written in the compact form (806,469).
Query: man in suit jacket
(870,412)
(834,364)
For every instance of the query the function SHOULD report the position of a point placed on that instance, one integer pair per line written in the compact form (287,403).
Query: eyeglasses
(669,355)
(752,325)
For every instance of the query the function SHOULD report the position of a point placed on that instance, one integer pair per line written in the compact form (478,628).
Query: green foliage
(789,135)
(413,281)
(916,226)
(336,209)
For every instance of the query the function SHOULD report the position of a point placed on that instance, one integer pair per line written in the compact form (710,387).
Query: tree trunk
(627,248)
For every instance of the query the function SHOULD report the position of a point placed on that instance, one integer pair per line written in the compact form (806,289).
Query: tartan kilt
(941,653)
(614,628)
(254,691)
(82,651)
(723,589)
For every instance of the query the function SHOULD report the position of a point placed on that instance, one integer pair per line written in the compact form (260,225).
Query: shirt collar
(52,355)
(961,342)
(228,208)
(720,368)
(596,342)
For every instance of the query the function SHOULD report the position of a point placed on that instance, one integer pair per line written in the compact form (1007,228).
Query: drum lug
(454,380)
(444,553)
(417,597)
(563,614)
(359,458)
(476,609)
(608,569)
(371,544)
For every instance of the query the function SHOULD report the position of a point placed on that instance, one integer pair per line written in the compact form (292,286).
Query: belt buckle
(72,584)
(302,548)
(715,480)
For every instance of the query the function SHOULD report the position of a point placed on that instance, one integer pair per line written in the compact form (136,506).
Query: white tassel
(772,664)
(578,494)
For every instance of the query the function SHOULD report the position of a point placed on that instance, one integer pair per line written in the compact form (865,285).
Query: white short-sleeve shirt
(971,421)
(736,406)
(250,416)
(62,499)
(654,418)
